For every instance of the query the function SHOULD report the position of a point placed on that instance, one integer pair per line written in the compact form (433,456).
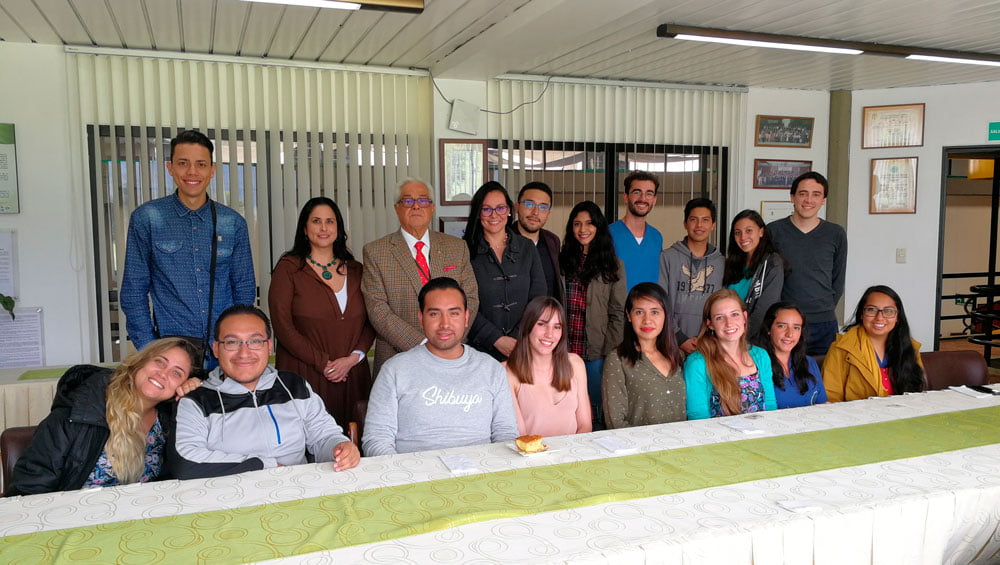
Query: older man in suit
(399,264)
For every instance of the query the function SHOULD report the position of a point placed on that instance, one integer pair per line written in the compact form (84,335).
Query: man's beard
(636,213)
(523,227)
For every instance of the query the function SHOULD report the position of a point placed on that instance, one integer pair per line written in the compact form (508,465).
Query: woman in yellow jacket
(875,356)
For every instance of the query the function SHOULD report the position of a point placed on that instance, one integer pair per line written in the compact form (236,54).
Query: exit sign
(993,134)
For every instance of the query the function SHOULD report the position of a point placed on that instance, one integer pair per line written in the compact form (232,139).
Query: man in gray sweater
(441,393)
(816,251)
(690,271)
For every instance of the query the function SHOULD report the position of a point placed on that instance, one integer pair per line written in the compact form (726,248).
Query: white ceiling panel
(384,30)
(98,21)
(470,22)
(10,30)
(132,21)
(263,24)
(291,31)
(479,39)
(422,34)
(228,25)
(357,26)
(48,21)
(164,18)
(321,34)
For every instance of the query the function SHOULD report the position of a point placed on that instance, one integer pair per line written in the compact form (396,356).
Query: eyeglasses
(531,205)
(871,312)
(500,210)
(418,202)
(234,344)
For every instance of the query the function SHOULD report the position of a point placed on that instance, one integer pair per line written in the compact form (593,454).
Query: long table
(936,508)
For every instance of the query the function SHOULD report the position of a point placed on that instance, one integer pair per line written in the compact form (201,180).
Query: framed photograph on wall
(772,210)
(462,163)
(783,131)
(893,186)
(892,126)
(770,173)
(452,225)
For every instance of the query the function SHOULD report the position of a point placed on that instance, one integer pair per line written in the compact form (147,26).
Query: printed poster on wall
(21,338)
(8,171)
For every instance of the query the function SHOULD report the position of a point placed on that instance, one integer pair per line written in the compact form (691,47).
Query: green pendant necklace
(327,275)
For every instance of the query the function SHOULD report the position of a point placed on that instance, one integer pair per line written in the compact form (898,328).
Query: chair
(13,442)
(953,368)
(819,360)
(356,427)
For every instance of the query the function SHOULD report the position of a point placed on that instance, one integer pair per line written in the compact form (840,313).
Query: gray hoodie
(689,280)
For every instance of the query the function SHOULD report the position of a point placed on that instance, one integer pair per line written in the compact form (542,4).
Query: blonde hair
(126,445)
(722,375)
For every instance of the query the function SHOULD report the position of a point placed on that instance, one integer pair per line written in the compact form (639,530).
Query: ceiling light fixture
(407,6)
(937,59)
(770,44)
(816,44)
(313,3)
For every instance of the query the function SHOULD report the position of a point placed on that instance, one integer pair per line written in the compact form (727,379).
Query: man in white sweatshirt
(441,393)
(249,416)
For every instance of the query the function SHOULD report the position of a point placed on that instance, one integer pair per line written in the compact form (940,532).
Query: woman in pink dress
(548,382)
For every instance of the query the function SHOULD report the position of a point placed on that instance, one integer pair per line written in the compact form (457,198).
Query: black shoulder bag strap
(211,273)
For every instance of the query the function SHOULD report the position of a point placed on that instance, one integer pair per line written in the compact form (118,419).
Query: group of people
(511,331)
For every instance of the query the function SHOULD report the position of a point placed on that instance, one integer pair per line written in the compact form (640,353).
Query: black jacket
(69,441)
(504,290)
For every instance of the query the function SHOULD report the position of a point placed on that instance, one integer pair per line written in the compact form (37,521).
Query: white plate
(513,447)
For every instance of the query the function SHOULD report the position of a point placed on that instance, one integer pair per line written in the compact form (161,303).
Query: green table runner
(330,522)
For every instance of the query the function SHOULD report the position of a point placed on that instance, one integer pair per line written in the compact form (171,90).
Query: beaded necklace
(327,275)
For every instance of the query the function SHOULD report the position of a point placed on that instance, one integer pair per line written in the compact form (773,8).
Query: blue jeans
(821,336)
(595,373)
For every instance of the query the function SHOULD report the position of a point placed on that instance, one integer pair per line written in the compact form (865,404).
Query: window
(577,172)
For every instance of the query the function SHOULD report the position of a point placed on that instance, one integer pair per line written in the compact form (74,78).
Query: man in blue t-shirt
(637,243)
(168,254)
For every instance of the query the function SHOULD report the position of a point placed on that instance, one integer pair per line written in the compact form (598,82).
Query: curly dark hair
(600,259)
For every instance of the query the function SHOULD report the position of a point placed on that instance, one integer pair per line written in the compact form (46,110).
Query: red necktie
(425,270)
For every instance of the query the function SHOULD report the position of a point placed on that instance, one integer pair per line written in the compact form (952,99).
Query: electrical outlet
(901,255)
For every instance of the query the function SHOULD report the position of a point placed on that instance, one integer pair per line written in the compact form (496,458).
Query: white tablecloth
(942,508)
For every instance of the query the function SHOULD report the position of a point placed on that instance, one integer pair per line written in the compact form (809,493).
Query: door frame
(974,152)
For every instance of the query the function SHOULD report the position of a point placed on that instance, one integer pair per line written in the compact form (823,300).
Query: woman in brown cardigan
(318,312)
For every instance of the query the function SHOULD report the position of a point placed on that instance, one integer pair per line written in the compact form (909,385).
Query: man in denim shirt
(168,254)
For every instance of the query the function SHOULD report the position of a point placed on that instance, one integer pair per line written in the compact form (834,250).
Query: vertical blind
(283,133)
(681,134)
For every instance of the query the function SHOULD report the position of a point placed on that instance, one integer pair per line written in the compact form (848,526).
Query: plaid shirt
(576,314)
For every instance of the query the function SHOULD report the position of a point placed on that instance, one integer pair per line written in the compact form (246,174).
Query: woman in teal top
(726,376)
(754,268)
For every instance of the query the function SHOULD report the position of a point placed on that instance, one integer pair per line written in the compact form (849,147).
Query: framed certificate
(462,163)
(771,210)
(8,171)
(892,126)
(893,186)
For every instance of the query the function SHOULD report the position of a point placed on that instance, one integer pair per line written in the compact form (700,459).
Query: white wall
(781,102)
(473,92)
(51,238)
(954,115)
